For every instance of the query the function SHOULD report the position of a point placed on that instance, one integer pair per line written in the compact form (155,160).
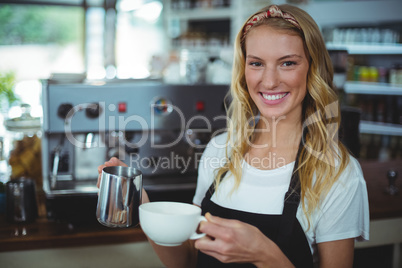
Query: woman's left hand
(235,241)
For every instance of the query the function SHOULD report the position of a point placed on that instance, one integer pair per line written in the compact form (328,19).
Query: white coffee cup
(170,223)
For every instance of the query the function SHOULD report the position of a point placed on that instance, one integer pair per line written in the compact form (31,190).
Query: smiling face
(276,72)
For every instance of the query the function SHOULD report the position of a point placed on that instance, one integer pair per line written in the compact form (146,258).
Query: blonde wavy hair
(323,157)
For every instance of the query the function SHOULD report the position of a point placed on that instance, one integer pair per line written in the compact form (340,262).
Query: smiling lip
(273,98)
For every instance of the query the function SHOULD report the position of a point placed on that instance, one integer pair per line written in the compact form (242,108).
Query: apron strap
(291,204)
(211,189)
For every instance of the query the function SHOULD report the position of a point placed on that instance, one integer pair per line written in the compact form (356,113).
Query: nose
(270,78)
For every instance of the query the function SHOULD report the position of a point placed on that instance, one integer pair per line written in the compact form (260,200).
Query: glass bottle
(24,145)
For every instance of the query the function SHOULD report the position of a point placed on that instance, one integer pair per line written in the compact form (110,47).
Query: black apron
(285,230)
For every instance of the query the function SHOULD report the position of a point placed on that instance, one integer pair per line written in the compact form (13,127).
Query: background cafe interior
(84,80)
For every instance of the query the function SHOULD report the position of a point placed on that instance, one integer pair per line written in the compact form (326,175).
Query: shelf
(380,128)
(372,88)
(203,14)
(367,49)
(212,51)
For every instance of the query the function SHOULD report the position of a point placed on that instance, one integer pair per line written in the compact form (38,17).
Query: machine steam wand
(56,161)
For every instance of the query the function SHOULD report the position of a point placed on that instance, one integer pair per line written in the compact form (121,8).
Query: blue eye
(255,63)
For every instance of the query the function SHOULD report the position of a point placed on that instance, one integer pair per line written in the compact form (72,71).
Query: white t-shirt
(344,212)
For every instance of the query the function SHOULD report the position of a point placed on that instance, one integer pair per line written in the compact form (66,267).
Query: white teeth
(274,97)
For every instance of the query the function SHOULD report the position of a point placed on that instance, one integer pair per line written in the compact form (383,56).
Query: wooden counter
(44,233)
(47,234)
(383,206)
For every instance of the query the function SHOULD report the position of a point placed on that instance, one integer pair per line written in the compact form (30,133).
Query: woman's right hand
(116,162)
(112,162)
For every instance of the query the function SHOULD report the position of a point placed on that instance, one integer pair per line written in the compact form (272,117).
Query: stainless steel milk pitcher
(119,197)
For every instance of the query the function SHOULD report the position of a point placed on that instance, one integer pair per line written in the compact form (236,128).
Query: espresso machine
(160,129)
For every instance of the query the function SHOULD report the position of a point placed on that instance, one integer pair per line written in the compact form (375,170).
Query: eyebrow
(281,58)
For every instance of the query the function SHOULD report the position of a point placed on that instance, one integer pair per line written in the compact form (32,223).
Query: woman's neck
(278,133)
(275,144)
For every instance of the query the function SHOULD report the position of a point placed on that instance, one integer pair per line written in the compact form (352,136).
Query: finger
(203,243)
(110,163)
(100,168)
(99,175)
(145,198)
(221,221)
(210,246)
(114,161)
(215,230)
(99,180)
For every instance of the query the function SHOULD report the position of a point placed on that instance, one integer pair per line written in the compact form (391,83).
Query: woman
(287,193)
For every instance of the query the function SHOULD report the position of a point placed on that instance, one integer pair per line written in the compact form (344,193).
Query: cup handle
(197,235)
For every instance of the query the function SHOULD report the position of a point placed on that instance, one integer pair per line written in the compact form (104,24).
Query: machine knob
(392,189)
(64,109)
(392,174)
(131,149)
(93,110)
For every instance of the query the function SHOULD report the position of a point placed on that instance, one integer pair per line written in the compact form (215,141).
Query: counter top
(47,234)
(44,233)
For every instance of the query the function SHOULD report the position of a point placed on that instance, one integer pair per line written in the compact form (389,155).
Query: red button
(122,107)
(200,106)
